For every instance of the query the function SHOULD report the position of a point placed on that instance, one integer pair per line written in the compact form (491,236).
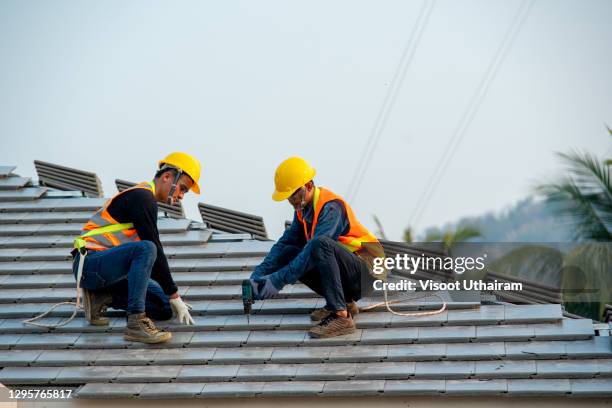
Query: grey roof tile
(254,322)
(232,389)
(301,354)
(125,356)
(28,375)
(481,316)
(144,374)
(476,387)
(446,333)
(533,387)
(414,352)
(535,349)
(15,358)
(292,388)
(24,194)
(444,369)
(414,387)
(567,368)
(566,329)
(42,341)
(386,370)
(66,357)
(276,338)
(294,321)
(13,183)
(532,313)
(505,369)
(510,332)
(373,319)
(267,372)
(9,340)
(104,341)
(242,355)
(113,390)
(353,388)
(360,353)
(592,387)
(475,351)
(219,338)
(389,336)
(184,355)
(86,374)
(592,348)
(172,390)
(326,371)
(432,320)
(206,373)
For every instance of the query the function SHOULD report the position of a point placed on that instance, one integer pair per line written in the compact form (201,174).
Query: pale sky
(113,86)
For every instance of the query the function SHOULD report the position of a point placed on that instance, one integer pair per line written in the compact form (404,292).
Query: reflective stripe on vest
(102,231)
(357,235)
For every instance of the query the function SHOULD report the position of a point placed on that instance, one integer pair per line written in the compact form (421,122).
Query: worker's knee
(321,246)
(146,249)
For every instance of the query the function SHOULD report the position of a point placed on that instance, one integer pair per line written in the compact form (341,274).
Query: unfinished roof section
(67,178)
(174,210)
(469,349)
(223,219)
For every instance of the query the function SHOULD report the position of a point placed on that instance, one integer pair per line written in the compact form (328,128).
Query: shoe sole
(153,340)
(348,330)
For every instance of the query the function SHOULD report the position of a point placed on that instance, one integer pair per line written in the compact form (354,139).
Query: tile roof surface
(469,349)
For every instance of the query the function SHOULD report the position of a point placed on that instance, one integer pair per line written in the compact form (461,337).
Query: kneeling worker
(322,248)
(123,261)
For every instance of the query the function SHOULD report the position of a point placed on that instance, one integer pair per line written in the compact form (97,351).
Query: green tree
(584,195)
(450,237)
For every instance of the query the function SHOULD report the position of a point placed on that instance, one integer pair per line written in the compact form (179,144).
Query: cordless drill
(248,297)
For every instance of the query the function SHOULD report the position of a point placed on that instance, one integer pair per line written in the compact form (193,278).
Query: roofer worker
(124,264)
(322,248)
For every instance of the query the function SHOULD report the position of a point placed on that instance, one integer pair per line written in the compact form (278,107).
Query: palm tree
(584,195)
(450,237)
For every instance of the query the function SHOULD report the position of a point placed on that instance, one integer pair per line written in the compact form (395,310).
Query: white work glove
(180,310)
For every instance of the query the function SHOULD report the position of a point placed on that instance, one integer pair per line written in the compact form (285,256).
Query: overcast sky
(113,86)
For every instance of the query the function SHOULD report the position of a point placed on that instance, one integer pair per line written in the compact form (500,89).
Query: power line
(390,98)
(471,110)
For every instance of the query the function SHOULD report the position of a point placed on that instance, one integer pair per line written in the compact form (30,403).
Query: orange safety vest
(357,234)
(102,219)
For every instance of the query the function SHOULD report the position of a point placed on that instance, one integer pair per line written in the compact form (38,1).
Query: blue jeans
(125,271)
(333,272)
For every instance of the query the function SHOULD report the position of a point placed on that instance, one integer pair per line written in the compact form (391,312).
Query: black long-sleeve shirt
(139,207)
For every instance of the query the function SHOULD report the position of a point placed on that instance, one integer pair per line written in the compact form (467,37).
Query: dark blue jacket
(332,223)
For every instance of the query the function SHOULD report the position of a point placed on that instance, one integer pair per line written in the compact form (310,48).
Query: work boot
(332,326)
(94,305)
(319,314)
(141,328)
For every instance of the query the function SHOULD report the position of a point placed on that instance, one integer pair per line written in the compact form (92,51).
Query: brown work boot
(94,305)
(319,314)
(141,328)
(332,326)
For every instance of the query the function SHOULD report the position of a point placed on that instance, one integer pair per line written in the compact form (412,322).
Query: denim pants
(332,272)
(125,271)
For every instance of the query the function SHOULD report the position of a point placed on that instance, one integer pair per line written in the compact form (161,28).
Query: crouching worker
(325,247)
(123,262)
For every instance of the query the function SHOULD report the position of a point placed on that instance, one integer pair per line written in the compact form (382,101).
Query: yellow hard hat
(290,175)
(188,164)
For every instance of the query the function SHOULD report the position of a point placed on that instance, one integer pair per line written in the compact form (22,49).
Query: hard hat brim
(281,195)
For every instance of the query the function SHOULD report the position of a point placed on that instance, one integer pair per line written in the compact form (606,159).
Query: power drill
(248,297)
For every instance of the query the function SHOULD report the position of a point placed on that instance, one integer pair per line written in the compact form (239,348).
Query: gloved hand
(180,310)
(268,290)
